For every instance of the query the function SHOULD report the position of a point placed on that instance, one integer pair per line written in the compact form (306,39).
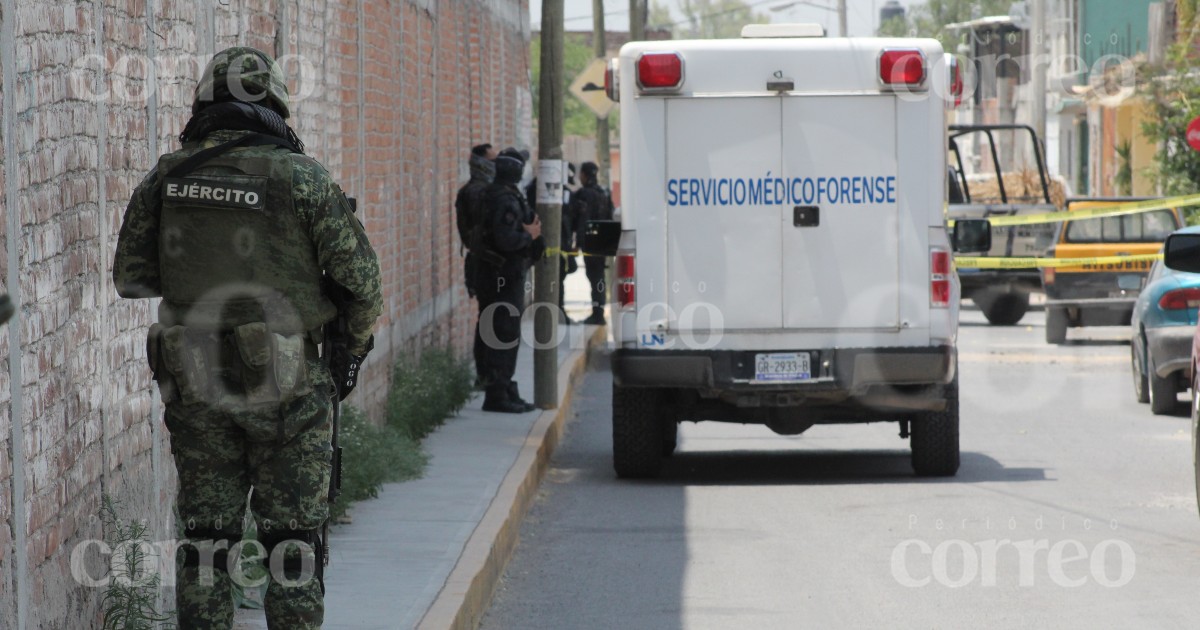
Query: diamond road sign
(589,88)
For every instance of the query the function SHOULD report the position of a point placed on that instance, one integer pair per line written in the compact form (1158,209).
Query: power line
(578,18)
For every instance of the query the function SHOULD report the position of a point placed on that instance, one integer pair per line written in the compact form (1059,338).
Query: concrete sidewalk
(427,553)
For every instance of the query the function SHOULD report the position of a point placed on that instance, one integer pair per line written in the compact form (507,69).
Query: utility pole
(549,207)
(601,49)
(1037,50)
(637,20)
(842,18)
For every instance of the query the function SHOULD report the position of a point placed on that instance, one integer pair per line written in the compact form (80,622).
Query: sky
(861,19)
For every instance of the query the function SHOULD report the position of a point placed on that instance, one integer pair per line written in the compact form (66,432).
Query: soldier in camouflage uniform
(235,231)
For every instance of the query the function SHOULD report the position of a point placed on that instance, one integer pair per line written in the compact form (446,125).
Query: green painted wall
(1112,27)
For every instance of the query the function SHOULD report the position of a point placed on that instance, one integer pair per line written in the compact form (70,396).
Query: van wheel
(1162,391)
(1056,325)
(637,433)
(1003,309)
(1141,388)
(934,438)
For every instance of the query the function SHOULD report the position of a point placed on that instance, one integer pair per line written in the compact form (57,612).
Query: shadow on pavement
(827,468)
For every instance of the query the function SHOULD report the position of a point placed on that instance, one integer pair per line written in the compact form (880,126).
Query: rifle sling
(197,159)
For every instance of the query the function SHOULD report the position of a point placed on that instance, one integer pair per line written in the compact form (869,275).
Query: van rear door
(722,250)
(744,176)
(844,271)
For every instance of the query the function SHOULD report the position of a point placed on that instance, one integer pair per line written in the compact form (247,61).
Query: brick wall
(391,95)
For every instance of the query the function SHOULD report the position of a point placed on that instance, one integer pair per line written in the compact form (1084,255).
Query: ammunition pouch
(250,365)
(272,368)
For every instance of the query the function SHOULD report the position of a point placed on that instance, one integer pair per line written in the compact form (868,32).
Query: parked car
(1101,294)
(1163,324)
(1182,253)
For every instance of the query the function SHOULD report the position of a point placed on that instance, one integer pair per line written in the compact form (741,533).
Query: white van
(783,257)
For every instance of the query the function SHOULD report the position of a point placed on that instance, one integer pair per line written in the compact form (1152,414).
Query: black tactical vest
(232,249)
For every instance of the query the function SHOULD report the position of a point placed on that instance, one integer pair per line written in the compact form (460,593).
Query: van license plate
(782,367)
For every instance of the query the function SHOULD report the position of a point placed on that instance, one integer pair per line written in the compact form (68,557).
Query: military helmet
(242,74)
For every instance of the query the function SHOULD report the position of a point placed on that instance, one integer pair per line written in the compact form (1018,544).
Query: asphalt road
(1074,508)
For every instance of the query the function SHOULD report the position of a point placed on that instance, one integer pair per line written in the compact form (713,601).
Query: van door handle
(806,216)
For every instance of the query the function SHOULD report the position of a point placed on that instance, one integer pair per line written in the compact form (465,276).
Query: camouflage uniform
(248,401)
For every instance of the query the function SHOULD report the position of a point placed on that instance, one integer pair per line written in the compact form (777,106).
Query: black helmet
(510,165)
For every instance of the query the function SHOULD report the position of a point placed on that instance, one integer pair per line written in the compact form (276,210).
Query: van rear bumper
(851,370)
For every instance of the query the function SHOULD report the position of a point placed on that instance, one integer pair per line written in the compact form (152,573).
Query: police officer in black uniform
(516,233)
(592,203)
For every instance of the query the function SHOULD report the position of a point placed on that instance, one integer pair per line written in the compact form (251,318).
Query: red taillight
(902,67)
(1179,299)
(610,81)
(660,71)
(939,277)
(1048,275)
(956,81)
(625,280)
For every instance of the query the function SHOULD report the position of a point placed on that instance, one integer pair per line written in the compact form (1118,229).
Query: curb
(469,587)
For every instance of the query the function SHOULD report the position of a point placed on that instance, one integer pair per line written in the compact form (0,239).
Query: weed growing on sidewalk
(134,585)
(427,390)
(372,456)
(424,393)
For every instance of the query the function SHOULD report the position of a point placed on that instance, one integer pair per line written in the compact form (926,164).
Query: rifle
(334,332)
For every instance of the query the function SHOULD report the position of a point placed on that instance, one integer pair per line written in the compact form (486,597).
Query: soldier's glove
(344,367)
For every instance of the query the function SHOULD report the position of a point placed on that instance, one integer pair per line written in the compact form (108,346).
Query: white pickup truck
(783,256)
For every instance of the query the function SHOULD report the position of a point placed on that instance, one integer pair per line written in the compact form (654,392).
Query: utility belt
(247,366)
(490,257)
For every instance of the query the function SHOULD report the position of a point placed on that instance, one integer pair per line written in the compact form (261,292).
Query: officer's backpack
(470,213)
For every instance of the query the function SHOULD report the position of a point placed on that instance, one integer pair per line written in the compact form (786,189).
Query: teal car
(1163,324)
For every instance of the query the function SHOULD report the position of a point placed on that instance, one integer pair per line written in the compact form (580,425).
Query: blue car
(1164,322)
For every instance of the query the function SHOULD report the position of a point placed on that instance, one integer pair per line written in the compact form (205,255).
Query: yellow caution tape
(1117,262)
(1110,210)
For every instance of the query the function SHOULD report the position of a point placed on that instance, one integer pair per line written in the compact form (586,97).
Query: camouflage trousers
(222,453)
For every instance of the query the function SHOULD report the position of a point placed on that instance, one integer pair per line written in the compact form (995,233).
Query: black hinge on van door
(806,216)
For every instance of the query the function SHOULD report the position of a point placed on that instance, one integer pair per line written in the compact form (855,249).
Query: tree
(660,17)
(706,19)
(930,18)
(578,120)
(1172,92)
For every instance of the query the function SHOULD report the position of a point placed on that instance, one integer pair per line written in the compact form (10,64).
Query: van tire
(1163,399)
(1003,309)
(1056,325)
(638,433)
(934,438)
